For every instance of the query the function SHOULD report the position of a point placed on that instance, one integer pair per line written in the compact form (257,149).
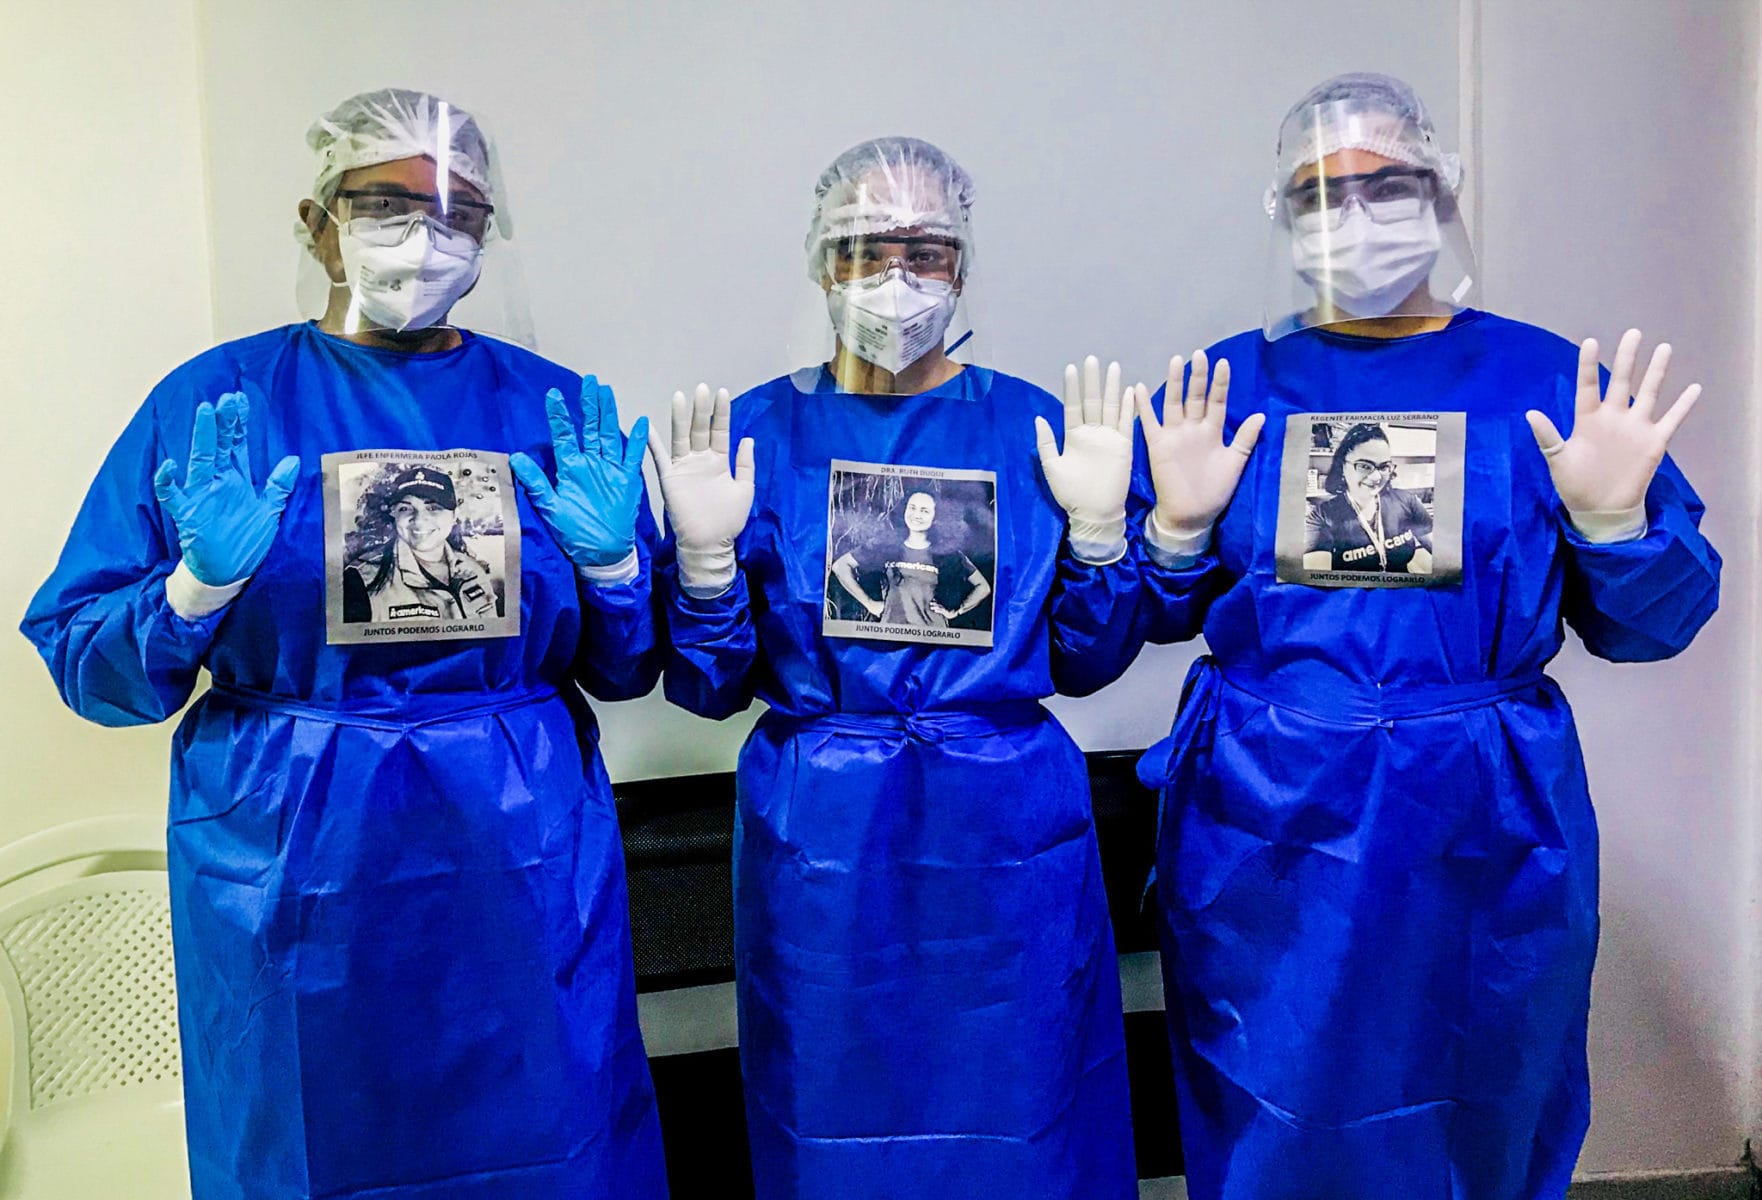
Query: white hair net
(1364,111)
(388,124)
(888,184)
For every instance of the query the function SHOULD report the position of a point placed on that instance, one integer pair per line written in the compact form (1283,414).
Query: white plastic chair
(94,1106)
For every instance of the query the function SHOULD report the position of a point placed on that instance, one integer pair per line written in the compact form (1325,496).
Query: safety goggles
(462,216)
(859,258)
(1391,194)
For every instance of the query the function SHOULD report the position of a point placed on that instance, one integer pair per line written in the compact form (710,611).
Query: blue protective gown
(929,997)
(1378,860)
(398,901)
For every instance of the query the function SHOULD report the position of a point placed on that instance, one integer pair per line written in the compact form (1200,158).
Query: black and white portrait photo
(911,554)
(1372,499)
(420,546)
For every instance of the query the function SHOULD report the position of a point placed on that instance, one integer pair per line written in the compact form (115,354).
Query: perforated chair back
(87,981)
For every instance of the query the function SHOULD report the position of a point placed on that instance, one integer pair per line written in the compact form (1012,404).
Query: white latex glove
(1603,470)
(1092,475)
(1195,473)
(706,506)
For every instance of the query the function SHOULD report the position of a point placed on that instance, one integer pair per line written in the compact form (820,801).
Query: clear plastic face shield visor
(889,258)
(1364,222)
(408,229)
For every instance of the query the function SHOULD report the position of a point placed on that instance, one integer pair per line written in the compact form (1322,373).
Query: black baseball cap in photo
(430,483)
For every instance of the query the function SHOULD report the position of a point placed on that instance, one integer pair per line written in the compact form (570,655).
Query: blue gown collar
(972,383)
(343,346)
(1463,317)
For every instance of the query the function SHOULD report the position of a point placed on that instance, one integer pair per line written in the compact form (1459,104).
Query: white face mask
(1367,268)
(406,272)
(891,320)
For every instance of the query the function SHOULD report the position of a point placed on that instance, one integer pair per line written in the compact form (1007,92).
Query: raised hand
(706,506)
(592,508)
(1092,474)
(1615,448)
(1195,473)
(224,525)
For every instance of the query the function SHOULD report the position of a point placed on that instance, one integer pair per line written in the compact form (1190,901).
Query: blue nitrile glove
(592,509)
(224,526)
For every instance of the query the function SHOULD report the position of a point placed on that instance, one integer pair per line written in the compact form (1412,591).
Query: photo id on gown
(872,511)
(420,545)
(1372,499)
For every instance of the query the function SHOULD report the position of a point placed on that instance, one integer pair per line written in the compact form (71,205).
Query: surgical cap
(1364,111)
(889,184)
(392,123)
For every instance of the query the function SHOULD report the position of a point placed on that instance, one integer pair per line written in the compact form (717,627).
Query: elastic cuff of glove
(1097,554)
(1175,547)
(622,571)
(192,599)
(1606,527)
(1097,542)
(706,574)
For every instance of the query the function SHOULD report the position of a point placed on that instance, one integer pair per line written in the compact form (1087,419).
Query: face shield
(408,227)
(1363,212)
(889,261)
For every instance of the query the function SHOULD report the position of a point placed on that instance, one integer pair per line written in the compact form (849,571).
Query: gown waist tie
(936,725)
(391,713)
(1351,702)
(1320,697)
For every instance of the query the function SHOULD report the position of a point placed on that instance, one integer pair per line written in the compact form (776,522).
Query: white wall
(659,157)
(106,288)
(1620,145)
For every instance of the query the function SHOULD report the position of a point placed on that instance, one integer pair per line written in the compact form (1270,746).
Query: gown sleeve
(1177,592)
(118,653)
(1094,621)
(619,655)
(1644,600)
(712,647)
